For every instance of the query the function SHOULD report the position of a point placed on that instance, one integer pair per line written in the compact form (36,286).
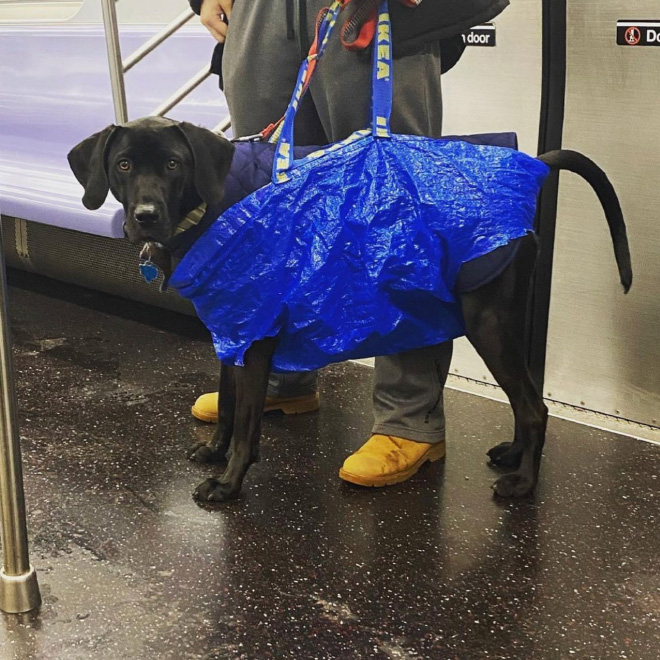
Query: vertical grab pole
(19,590)
(550,137)
(114,60)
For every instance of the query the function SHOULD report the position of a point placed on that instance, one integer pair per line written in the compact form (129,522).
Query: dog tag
(148,271)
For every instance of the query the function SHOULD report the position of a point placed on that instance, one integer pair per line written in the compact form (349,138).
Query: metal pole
(114,60)
(19,590)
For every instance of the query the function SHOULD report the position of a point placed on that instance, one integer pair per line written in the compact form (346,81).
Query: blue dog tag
(148,271)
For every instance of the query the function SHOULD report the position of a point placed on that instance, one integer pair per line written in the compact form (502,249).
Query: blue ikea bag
(353,251)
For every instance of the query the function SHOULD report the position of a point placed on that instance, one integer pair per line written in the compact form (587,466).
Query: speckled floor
(303,566)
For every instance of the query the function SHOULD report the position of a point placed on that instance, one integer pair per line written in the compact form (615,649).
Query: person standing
(261,44)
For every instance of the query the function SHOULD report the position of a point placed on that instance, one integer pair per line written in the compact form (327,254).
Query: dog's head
(158,169)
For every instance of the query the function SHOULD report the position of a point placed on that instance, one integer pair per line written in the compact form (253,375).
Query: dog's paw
(204,453)
(505,455)
(514,485)
(213,490)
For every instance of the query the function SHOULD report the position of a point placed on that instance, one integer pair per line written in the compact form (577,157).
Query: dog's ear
(212,155)
(88,162)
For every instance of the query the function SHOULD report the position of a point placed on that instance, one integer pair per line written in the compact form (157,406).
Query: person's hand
(215,15)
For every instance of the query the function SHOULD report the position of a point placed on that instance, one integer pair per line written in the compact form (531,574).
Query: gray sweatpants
(260,68)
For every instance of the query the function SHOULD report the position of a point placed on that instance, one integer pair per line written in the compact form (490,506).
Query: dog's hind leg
(250,385)
(495,318)
(216,450)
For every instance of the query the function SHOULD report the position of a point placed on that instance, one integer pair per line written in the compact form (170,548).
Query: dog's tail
(573,161)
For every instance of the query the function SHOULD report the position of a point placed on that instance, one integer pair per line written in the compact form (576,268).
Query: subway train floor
(303,565)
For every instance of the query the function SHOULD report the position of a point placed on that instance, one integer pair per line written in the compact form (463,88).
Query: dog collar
(191,220)
(153,252)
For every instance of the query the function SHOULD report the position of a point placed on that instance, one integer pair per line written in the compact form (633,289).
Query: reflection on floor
(303,566)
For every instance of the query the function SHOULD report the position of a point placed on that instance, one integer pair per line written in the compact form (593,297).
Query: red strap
(313,51)
(359,30)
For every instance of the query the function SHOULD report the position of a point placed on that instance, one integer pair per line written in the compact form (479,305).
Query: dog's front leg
(250,383)
(216,450)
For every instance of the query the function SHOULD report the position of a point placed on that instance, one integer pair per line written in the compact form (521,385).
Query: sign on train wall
(638,33)
(484,36)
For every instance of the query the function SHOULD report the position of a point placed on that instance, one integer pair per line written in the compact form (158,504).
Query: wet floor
(304,566)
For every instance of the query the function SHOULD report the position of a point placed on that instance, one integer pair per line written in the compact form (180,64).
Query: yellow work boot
(206,406)
(385,460)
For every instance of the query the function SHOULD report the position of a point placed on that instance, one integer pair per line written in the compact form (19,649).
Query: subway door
(496,87)
(604,347)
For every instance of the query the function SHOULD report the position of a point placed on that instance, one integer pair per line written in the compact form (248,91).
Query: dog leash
(359,30)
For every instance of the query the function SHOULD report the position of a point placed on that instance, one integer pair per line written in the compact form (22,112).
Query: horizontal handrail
(157,39)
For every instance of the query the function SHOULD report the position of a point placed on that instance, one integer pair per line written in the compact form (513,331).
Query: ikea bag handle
(381,84)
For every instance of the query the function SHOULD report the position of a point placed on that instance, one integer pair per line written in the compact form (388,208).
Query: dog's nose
(146,214)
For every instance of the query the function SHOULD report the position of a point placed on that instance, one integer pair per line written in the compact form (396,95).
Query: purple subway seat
(55,91)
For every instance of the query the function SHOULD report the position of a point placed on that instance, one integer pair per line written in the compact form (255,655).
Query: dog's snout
(146,214)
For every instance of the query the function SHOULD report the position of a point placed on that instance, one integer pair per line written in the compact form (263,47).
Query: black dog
(161,170)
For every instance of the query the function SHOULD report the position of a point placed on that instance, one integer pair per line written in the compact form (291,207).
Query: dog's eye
(124,165)
(172,164)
